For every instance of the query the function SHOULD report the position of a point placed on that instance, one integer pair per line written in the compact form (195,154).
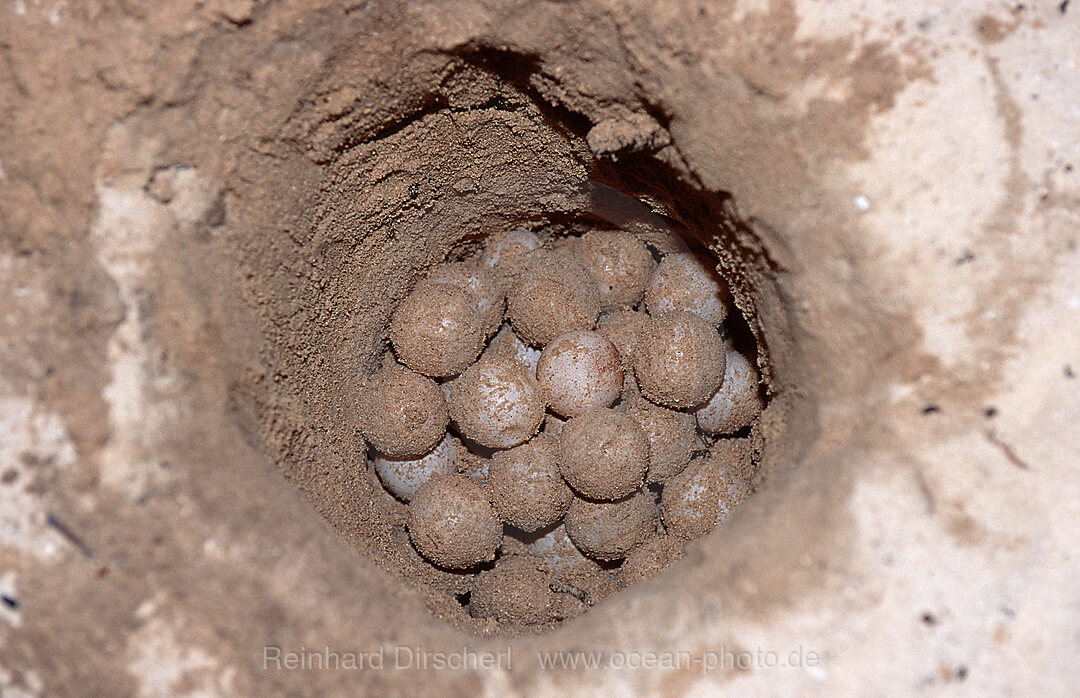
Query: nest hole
(484,153)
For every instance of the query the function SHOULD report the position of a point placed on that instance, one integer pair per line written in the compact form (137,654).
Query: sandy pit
(209,213)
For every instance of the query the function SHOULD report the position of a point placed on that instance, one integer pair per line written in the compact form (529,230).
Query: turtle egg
(507,254)
(553,424)
(555,295)
(603,454)
(555,547)
(609,530)
(403,476)
(672,438)
(686,281)
(401,413)
(480,285)
(679,360)
(695,501)
(578,371)
(437,330)
(451,522)
(619,263)
(516,591)
(496,403)
(736,402)
(651,558)
(527,490)
(572,567)
(506,344)
(621,327)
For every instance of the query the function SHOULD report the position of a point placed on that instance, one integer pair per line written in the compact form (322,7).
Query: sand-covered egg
(516,591)
(695,501)
(688,281)
(474,465)
(672,437)
(578,371)
(572,569)
(554,295)
(619,263)
(447,580)
(451,522)
(737,401)
(651,557)
(679,360)
(488,296)
(437,330)
(496,403)
(609,530)
(621,328)
(603,454)
(507,254)
(506,344)
(401,413)
(402,476)
(527,490)
(555,546)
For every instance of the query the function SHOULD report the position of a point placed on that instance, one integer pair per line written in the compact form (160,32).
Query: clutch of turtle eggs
(576,395)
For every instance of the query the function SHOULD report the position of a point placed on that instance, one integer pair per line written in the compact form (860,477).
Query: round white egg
(403,476)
